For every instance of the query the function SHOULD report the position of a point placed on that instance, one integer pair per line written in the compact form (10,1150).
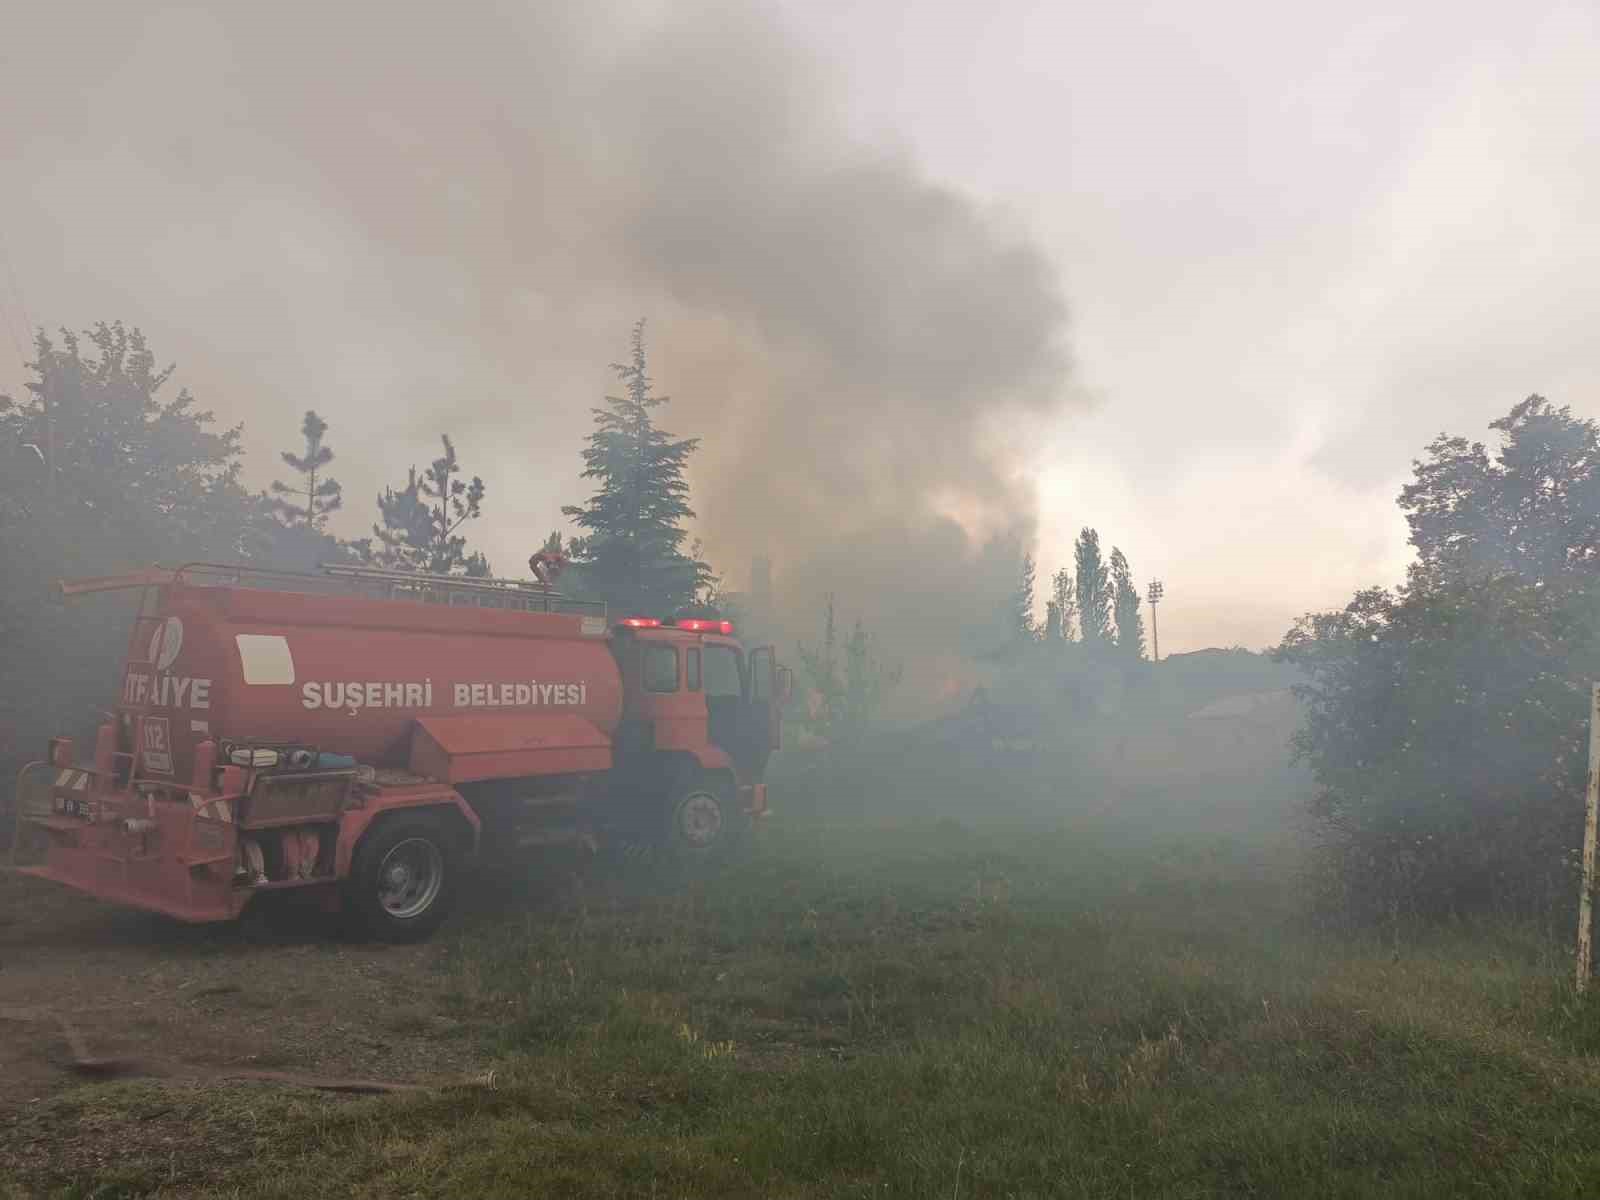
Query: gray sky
(1298,241)
(1205,277)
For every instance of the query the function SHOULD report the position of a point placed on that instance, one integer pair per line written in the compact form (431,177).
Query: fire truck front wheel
(404,878)
(703,818)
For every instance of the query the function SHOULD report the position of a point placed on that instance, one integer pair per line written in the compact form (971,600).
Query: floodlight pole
(1586,897)
(1155,594)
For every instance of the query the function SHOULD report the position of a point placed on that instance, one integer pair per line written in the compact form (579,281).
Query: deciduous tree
(1446,721)
(844,698)
(1022,624)
(1065,598)
(1093,589)
(104,467)
(1125,609)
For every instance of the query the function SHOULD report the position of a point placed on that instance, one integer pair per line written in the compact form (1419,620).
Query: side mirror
(785,685)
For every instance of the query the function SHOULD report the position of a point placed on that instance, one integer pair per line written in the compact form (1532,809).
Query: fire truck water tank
(351,675)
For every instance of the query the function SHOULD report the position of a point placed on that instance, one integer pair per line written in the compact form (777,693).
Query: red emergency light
(695,625)
(640,622)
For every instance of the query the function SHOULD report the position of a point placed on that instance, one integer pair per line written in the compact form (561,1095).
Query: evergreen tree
(322,494)
(631,547)
(420,520)
(1023,626)
(1093,588)
(1125,608)
(403,529)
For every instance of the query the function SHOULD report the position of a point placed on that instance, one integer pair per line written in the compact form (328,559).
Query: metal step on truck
(367,734)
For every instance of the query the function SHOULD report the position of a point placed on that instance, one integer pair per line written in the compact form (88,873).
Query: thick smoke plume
(426,217)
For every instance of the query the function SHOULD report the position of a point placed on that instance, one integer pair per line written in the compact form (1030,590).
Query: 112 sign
(157,745)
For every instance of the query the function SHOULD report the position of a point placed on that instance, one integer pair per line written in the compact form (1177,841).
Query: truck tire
(702,818)
(404,878)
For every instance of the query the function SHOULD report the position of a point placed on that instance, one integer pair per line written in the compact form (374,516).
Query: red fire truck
(365,733)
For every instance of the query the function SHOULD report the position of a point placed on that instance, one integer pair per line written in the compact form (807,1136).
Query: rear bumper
(172,861)
(152,885)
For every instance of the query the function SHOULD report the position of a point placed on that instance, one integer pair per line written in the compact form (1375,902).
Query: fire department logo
(165,643)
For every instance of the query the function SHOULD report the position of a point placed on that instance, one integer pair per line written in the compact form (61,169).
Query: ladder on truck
(382,583)
(516,594)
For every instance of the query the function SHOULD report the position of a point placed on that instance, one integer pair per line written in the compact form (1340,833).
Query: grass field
(921,1010)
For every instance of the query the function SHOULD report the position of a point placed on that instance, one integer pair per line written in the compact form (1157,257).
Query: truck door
(724,686)
(739,700)
(766,700)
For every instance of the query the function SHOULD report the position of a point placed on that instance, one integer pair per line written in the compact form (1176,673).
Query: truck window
(660,671)
(722,672)
(691,669)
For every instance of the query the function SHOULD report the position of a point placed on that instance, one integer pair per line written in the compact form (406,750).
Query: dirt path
(283,994)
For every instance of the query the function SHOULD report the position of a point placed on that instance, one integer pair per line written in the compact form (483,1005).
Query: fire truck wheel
(702,818)
(403,880)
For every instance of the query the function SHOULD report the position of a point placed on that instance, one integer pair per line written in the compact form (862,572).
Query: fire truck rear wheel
(404,878)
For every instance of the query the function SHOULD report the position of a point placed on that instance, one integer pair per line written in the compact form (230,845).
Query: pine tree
(1023,626)
(1093,588)
(420,520)
(1125,607)
(403,531)
(322,494)
(631,547)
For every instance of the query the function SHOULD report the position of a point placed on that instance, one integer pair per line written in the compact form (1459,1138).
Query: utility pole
(1156,592)
(1586,897)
